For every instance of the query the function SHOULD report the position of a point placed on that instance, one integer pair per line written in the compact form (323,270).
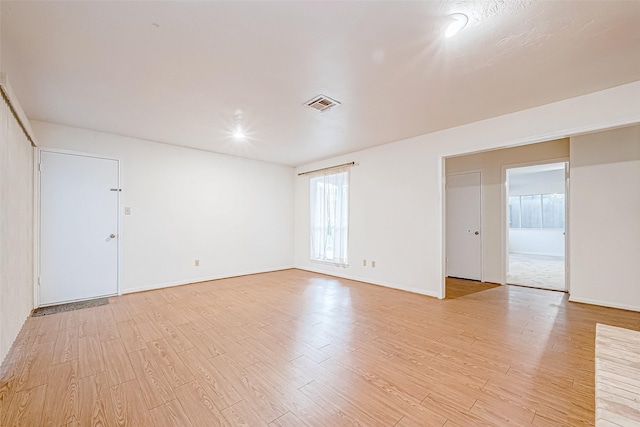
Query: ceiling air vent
(322,103)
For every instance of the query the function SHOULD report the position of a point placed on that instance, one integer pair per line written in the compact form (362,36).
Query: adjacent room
(319,213)
(536,225)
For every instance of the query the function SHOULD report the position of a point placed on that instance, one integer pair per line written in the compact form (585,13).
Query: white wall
(536,241)
(16,227)
(605,218)
(387,200)
(233,214)
(396,189)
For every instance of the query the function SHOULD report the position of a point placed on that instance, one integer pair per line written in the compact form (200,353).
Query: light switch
(127,211)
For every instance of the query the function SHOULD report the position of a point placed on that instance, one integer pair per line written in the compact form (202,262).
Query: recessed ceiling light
(457,21)
(238,132)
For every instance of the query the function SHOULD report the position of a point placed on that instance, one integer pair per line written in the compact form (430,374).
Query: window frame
(341,203)
(542,215)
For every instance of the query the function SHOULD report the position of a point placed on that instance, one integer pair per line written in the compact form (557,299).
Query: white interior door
(464,244)
(78,227)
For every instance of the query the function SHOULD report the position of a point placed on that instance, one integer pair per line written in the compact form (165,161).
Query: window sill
(336,264)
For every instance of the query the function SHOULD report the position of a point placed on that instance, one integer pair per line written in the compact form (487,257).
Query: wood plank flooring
(617,376)
(294,348)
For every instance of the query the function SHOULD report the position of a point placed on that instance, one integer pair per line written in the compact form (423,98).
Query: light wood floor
(294,348)
(617,376)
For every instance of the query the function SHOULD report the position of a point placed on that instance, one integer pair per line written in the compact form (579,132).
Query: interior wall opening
(536,225)
(475,213)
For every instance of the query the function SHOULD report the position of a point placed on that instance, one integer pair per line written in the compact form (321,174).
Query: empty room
(320,213)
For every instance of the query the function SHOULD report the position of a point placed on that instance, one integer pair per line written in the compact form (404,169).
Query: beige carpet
(538,271)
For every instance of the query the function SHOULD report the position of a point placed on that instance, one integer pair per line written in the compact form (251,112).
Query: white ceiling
(527,170)
(177,72)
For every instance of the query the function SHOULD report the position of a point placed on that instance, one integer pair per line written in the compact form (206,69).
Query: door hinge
(115,189)
(38,280)
(39,167)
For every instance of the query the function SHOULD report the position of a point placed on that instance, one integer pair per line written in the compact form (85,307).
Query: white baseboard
(370,281)
(603,303)
(202,279)
(13,341)
(536,253)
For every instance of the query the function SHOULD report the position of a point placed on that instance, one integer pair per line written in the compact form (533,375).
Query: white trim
(442,292)
(36,227)
(17,108)
(567,227)
(504,230)
(461,172)
(603,303)
(203,279)
(372,282)
(77,153)
(119,226)
(37,221)
(537,162)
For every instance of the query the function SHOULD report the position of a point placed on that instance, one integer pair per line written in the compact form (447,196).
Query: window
(530,212)
(329,199)
(537,211)
(553,211)
(514,212)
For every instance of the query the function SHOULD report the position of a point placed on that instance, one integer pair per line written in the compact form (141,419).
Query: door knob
(113,236)
(476,233)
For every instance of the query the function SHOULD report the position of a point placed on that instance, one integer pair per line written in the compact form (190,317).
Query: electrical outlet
(127,211)
(373,264)
(197,263)
(364,262)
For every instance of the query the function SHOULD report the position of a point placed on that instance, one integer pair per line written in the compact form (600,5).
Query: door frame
(37,217)
(445,213)
(505,206)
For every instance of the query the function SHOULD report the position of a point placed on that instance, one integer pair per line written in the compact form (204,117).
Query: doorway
(536,225)
(78,243)
(463,216)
